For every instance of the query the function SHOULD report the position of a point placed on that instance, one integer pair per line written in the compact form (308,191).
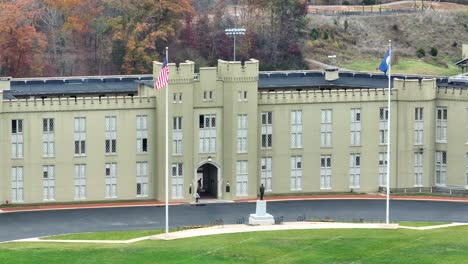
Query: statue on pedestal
(262,191)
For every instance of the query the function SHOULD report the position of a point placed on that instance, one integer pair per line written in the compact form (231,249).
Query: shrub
(433,52)
(368,2)
(346,25)
(314,34)
(326,35)
(346,2)
(395,27)
(454,44)
(420,52)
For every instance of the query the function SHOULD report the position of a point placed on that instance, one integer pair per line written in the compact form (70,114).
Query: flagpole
(166,164)
(387,215)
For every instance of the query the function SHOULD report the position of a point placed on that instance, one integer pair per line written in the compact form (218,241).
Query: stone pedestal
(261,217)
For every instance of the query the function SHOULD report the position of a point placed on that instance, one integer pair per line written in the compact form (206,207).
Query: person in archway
(197,197)
(199,186)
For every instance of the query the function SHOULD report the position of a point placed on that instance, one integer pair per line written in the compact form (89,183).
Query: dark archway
(207,181)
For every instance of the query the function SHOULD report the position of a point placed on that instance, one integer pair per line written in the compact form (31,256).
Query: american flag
(163,77)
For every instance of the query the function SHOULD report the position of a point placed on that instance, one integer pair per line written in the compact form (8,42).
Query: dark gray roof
(20,88)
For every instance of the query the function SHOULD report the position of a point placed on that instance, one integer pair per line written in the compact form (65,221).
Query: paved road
(41,223)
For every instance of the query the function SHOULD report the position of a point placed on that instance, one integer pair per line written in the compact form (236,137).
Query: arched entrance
(207,181)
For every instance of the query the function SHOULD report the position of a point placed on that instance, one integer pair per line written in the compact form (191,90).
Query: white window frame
(48,183)
(17,184)
(418,169)
(355,170)
(441,168)
(296,129)
(207,130)
(325,172)
(266,175)
(355,128)
(142,133)
(296,173)
(17,138)
(242,96)
(266,139)
(441,124)
(111,180)
(110,145)
(242,177)
(80,136)
(326,127)
(418,126)
(242,131)
(142,179)
(383,125)
(177,180)
(48,137)
(177,136)
(80,181)
(383,163)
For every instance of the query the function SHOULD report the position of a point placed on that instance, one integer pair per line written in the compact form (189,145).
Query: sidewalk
(44,207)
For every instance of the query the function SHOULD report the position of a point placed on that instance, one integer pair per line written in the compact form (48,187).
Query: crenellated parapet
(236,71)
(182,73)
(323,96)
(415,89)
(76,104)
(454,93)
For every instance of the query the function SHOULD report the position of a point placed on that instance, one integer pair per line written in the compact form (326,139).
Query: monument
(261,217)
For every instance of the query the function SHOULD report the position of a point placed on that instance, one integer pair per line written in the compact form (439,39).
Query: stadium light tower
(234,32)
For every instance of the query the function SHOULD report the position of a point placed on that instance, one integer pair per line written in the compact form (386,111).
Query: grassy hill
(359,42)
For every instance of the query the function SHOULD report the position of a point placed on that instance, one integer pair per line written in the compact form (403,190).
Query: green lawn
(420,224)
(113,235)
(447,245)
(405,66)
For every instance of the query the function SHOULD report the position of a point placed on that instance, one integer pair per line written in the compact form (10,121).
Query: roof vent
(331,74)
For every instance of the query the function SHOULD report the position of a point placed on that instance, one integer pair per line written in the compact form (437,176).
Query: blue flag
(386,61)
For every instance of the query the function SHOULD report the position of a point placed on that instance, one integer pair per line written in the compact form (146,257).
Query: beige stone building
(231,128)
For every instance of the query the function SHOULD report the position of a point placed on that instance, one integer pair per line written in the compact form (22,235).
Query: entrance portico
(208,181)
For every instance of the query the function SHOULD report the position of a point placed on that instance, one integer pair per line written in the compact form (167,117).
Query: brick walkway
(44,207)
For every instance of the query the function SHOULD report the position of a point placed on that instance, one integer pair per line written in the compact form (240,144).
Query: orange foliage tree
(21,45)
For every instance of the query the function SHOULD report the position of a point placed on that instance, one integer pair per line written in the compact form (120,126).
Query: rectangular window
(180,98)
(48,182)
(48,137)
(174,98)
(383,125)
(142,133)
(80,181)
(177,181)
(326,128)
(355,126)
(383,169)
(80,136)
(177,146)
(242,177)
(418,126)
(418,169)
(441,168)
(354,170)
(296,173)
(266,173)
(441,125)
(17,139)
(241,133)
(142,179)
(207,125)
(267,130)
(111,180)
(242,96)
(111,134)
(325,172)
(296,129)
(17,184)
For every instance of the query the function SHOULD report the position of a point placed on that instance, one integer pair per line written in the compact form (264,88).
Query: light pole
(233,32)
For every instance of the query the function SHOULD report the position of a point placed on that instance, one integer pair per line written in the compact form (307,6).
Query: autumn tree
(145,27)
(21,45)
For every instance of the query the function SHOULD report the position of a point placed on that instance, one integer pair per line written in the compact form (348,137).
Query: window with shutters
(296,173)
(242,133)
(48,183)
(418,126)
(111,180)
(17,139)
(48,137)
(354,170)
(142,179)
(80,136)
(266,173)
(326,128)
(111,134)
(355,126)
(80,181)
(267,130)
(177,181)
(17,184)
(296,129)
(441,168)
(418,169)
(207,126)
(383,125)
(142,133)
(441,125)
(325,172)
(383,169)
(242,177)
(177,147)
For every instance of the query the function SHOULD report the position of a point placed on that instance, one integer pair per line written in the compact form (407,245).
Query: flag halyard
(163,77)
